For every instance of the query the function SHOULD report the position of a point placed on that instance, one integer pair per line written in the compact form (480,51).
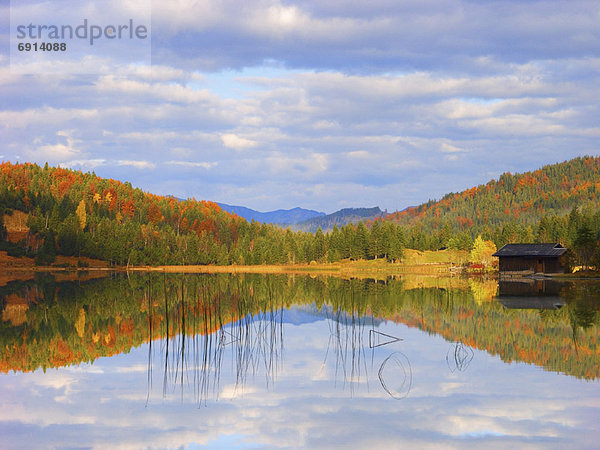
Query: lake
(254,361)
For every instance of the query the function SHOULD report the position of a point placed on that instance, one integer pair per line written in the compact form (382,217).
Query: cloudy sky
(275,104)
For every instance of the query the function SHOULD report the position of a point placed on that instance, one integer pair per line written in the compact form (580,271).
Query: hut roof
(533,250)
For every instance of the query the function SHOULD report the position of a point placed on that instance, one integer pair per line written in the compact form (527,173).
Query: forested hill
(80,214)
(50,211)
(513,198)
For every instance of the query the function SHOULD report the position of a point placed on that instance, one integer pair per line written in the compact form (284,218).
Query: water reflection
(395,375)
(459,357)
(379,339)
(254,346)
(192,319)
(268,361)
(529,293)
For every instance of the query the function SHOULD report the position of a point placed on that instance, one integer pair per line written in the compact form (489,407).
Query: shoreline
(333,269)
(375,269)
(440,264)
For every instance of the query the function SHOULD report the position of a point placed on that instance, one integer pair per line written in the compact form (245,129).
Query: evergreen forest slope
(514,204)
(80,214)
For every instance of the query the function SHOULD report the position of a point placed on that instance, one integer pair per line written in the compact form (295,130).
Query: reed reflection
(459,357)
(202,339)
(352,339)
(198,332)
(395,375)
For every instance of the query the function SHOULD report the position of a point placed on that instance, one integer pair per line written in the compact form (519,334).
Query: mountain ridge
(338,218)
(308,220)
(279,216)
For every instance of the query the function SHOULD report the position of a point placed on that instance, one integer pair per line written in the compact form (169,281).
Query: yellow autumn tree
(482,252)
(80,323)
(81,214)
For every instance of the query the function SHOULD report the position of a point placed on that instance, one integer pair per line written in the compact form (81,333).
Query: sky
(275,104)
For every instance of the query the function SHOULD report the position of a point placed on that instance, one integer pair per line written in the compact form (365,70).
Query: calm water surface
(254,361)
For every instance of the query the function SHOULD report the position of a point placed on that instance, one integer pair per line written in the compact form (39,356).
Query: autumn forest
(67,212)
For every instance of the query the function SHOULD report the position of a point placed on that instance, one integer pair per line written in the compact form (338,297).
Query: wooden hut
(534,258)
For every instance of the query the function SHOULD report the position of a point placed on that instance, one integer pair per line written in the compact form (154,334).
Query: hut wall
(536,264)
(554,265)
(516,263)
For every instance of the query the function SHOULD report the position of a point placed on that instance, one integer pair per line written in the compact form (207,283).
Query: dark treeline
(79,214)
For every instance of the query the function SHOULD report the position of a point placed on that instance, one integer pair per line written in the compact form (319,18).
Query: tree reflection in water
(194,322)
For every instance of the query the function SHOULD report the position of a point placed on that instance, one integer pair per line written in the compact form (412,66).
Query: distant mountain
(339,218)
(280,216)
(300,219)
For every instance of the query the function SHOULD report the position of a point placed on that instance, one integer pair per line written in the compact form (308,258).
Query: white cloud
(309,165)
(160,73)
(359,154)
(37,117)
(170,92)
(138,164)
(449,148)
(58,380)
(55,152)
(203,165)
(137,368)
(236,142)
(59,152)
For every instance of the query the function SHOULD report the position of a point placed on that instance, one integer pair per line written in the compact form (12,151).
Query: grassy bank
(442,262)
